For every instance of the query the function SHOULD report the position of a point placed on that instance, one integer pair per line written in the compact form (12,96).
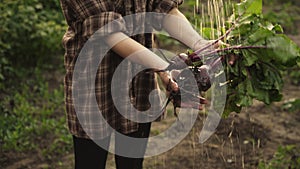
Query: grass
(286,157)
(32,119)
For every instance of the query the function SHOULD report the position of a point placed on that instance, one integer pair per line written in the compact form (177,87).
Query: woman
(84,18)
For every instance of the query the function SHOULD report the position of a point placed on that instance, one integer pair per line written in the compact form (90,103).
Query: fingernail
(176,88)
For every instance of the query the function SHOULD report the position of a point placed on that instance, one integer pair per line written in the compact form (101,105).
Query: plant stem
(195,57)
(214,42)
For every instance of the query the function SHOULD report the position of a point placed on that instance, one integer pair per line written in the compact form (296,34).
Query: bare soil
(240,141)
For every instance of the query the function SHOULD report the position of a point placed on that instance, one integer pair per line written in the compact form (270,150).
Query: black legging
(88,155)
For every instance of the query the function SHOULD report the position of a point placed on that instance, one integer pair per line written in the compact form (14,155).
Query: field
(241,141)
(32,119)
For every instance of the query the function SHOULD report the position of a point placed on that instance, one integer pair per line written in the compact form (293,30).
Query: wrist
(178,62)
(200,44)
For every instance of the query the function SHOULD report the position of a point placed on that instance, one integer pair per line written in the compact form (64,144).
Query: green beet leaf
(249,7)
(262,51)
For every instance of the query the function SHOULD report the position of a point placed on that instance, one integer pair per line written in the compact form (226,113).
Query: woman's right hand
(167,78)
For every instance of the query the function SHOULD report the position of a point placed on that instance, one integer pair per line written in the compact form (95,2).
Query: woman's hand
(180,97)
(168,81)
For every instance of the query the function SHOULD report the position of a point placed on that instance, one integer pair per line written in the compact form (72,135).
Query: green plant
(32,118)
(292,105)
(261,52)
(286,14)
(294,75)
(286,157)
(31,31)
(6,70)
(31,112)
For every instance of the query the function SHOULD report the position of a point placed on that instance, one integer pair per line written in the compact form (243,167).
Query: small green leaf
(248,57)
(277,28)
(249,7)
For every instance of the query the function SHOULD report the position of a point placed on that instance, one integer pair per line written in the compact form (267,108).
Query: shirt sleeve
(87,17)
(104,24)
(162,7)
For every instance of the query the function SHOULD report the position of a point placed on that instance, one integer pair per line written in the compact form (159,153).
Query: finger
(203,100)
(220,44)
(173,85)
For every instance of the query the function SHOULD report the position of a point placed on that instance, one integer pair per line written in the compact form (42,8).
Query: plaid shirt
(84,18)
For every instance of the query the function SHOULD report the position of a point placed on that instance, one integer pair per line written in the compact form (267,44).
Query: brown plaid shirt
(84,18)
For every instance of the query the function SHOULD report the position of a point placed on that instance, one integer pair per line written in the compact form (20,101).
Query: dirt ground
(240,141)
